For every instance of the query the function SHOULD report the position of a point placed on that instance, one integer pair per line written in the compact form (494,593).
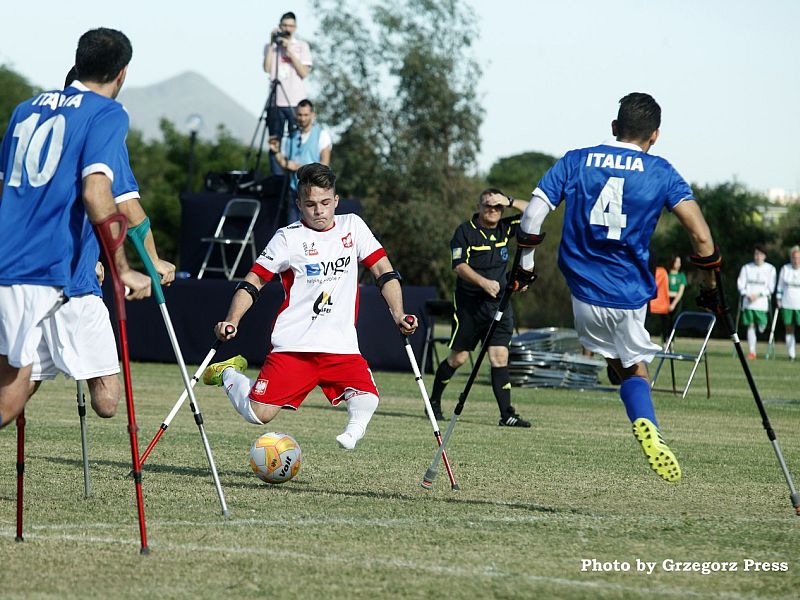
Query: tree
(400,92)
(14,88)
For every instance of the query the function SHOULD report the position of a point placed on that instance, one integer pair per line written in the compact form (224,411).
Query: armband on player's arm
(248,287)
(385,278)
(529,240)
(712,262)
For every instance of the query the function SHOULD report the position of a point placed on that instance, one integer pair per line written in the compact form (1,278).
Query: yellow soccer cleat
(658,454)
(213,373)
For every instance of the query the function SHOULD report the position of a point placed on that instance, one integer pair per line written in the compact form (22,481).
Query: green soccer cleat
(658,454)
(213,373)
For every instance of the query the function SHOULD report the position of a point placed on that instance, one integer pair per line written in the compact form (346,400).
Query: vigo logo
(331,267)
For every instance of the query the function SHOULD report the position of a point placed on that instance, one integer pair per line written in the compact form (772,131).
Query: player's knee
(105,393)
(264,412)
(456,359)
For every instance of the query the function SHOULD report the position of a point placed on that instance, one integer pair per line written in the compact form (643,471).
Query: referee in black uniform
(480,253)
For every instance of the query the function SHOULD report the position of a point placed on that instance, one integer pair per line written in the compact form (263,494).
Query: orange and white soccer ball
(275,457)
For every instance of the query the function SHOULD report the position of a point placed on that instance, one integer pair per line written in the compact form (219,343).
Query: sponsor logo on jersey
(310,250)
(330,267)
(322,305)
(457,252)
(260,387)
(347,241)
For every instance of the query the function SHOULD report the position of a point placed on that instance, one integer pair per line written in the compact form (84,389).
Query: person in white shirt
(314,341)
(788,296)
(756,283)
(287,61)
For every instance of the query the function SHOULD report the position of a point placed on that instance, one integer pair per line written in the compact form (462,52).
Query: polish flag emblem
(261,386)
(347,241)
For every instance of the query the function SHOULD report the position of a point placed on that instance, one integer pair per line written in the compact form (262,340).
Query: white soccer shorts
(614,332)
(23,311)
(78,341)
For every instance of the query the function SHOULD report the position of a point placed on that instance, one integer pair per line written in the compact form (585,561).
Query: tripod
(270,115)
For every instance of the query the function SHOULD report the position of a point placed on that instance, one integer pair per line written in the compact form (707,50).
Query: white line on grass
(487,572)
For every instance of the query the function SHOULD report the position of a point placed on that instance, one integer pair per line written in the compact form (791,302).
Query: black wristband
(250,289)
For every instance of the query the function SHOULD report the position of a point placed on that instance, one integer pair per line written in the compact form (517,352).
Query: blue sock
(635,394)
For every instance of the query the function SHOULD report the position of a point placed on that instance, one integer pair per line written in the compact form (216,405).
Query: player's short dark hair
(314,175)
(102,53)
(638,117)
(72,75)
(489,192)
(288,15)
(760,248)
(305,102)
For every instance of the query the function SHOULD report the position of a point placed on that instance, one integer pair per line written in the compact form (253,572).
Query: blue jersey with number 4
(614,196)
(53,141)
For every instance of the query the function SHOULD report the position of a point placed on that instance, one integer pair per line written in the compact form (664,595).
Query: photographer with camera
(287,61)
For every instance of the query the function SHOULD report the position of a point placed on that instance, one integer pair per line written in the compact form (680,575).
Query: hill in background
(181,96)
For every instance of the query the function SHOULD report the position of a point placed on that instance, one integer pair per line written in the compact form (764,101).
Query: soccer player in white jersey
(57,165)
(613,195)
(314,340)
(788,296)
(81,327)
(756,283)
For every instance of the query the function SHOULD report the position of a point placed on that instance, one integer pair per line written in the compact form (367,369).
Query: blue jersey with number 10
(614,196)
(53,141)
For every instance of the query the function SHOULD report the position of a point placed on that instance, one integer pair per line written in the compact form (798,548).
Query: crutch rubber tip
(455,487)
(145,551)
(426,485)
(226,513)
(19,538)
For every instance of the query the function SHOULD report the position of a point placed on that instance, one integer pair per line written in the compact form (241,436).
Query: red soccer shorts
(287,377)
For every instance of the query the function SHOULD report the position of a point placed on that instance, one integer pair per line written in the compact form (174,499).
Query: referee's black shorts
(473,316)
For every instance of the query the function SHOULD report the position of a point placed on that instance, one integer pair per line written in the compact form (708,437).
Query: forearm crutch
(87,479)
(793,495)
(183,396)
(430,474)
(20,472)
(771,344)
(137,235)
(426,400)
(110,244)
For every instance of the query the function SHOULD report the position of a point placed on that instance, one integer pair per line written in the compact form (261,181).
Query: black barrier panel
(195,306)
(200,213)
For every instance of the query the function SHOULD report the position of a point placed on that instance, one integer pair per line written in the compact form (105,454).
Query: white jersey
(759,280)
(319,273)
(789,287)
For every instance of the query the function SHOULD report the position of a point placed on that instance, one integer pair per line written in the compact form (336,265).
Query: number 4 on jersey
(607,211)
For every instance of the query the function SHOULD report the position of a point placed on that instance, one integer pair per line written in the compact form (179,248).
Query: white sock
(751,338)
(237,387)
(790,344)
(360,408)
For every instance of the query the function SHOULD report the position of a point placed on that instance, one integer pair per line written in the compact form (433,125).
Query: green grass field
(534,503)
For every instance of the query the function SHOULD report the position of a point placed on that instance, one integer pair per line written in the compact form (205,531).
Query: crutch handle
(110,243)
(136,235)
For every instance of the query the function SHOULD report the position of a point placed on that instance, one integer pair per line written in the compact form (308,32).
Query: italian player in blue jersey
(614,194)
(81,327)
(57,164)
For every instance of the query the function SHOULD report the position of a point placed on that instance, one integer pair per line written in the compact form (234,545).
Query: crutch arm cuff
(712,262)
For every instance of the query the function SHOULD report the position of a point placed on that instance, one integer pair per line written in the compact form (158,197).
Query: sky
(725,72)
